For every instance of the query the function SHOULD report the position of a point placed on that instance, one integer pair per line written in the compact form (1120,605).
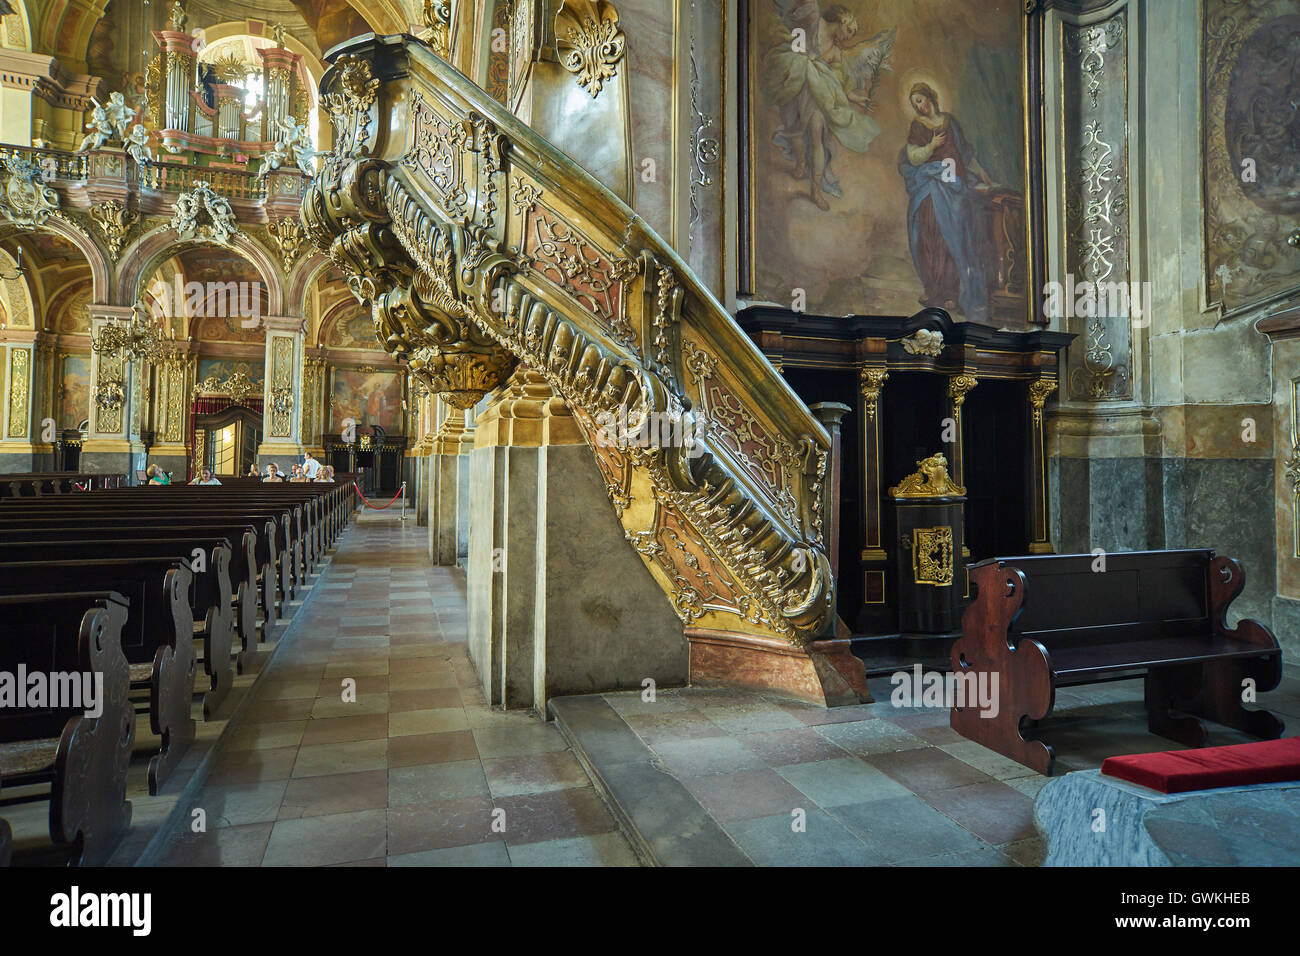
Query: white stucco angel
(137,145)
(100,129)
(119,114)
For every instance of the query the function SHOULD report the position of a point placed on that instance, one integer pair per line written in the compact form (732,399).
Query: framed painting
(887,157)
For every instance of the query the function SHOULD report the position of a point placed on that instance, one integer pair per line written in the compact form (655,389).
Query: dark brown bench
(157,636)
(82,760)
(249,564)
(1046,621)
(209,596)
(38,483)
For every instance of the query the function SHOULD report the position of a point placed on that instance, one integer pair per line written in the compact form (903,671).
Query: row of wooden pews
(140,587)
(37,483)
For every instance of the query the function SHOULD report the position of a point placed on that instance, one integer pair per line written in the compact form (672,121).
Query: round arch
(16,291)
(96,258)
(22,43)
(307,271)
(143,257)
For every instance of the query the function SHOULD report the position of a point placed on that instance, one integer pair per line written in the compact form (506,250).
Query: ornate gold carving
(932,555)
(349,106)
(462,304)
(958,386)
(871,381)
(202,214)
(115,221)
(523,195)
(19,391)
(288,236)
(24,197)
(109,394)
(280,395)
(239,387)
(699,363)
(923,342)
(564,256)
(1039,389)
(589,41)
(437,150)
(437,21)
(930,480)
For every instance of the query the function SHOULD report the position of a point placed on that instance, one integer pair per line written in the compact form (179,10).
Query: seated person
(298,474)
(157,476)
(326,474)
(273,473)
(205,477)
(253,472)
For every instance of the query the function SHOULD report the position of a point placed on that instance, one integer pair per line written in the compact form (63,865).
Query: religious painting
(72,309)
(352,332)
(886,158)
(366,397)
(223,369)
(74,391)
(1251,129)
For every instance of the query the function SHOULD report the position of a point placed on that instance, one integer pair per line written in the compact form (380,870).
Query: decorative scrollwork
(24,197)
(589,42)
(202,214)
(114,220)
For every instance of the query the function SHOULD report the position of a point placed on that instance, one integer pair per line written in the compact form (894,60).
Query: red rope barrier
(380,507)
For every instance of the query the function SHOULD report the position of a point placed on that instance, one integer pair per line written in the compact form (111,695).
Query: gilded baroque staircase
(479,246)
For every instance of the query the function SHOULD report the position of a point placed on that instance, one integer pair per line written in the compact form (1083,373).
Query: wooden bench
(157,635)
(38,483)
(288,543)
(209,597)
(82,760)
(249,563)
(1045,621)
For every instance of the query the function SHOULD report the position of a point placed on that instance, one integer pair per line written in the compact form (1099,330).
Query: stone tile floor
(417,770)
(878,784)
(414,769)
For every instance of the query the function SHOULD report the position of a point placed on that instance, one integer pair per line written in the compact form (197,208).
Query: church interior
(920,380)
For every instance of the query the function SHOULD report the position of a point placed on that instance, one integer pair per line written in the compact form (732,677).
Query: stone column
(545,545)
(113,445)
(45,425)
(282,398)
(448,468)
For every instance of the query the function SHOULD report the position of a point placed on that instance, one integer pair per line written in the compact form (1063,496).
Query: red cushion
(1238,765)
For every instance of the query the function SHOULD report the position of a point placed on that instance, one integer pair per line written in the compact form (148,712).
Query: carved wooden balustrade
(478,246)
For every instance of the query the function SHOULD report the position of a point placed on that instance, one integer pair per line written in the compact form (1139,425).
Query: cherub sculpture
(137,145)
(100,129)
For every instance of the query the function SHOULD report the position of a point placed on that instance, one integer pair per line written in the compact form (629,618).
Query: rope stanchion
(400,492)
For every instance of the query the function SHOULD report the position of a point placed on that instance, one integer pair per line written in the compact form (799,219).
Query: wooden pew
(1046,621)
(254,565)
(6,843)
(210,596)
(157,635)
(156,511)
(38,483)
(82,759)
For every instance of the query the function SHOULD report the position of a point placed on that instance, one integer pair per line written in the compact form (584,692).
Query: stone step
(660,818)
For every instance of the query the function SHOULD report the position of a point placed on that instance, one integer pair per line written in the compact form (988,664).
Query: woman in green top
(157,476)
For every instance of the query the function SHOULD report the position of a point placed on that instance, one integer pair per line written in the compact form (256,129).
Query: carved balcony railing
(478,246)
(81,180)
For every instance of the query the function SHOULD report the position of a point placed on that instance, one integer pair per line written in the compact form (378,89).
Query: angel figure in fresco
(823,82)
(946,208)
